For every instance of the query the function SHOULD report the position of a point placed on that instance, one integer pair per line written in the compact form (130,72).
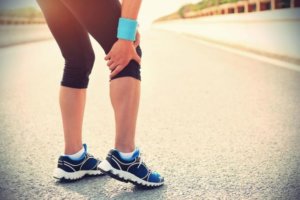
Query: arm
(124,50)
(130,8)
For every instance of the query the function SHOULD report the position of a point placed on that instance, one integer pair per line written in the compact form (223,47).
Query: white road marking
(272,61)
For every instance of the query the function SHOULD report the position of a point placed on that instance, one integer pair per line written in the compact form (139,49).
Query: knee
(89,62)
(77,70)
(133,68)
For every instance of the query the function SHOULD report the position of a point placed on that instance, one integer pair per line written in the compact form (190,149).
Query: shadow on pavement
(100,187)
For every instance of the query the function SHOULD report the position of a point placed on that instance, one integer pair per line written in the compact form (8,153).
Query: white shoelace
(141,160)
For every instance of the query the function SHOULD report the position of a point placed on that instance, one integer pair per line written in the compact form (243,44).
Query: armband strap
(127,29)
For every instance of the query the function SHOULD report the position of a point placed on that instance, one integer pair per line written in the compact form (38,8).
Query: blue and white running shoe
(70,170)
(134,171)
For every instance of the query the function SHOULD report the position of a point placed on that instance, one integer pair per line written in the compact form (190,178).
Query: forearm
(130,8)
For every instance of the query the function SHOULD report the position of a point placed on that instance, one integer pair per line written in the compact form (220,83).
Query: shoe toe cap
(156,178)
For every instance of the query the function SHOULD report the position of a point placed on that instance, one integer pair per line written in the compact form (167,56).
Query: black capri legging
(71,22)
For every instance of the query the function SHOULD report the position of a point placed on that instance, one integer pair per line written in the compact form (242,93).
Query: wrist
(127,29)
(125,41)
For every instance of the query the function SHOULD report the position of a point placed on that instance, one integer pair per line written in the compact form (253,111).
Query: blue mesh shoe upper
(87,162)
(135,166)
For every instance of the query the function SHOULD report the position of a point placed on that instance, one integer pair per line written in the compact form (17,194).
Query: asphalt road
(216,124)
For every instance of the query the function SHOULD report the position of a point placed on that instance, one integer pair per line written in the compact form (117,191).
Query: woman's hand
(120,55)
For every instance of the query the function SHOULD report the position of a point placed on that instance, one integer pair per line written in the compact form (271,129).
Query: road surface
(20,34)
(216,124)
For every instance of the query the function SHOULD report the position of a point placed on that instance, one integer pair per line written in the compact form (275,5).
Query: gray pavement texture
(217,125)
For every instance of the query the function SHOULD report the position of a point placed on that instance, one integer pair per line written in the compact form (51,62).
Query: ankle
(128,156)
(72,149)
(125,148)
(78,155)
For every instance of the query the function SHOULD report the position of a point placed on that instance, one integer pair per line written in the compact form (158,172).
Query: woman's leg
(125,96)
(76,48)
(100,18)
(72,103)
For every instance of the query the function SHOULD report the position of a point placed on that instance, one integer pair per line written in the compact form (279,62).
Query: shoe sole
(105,167)
(73,176)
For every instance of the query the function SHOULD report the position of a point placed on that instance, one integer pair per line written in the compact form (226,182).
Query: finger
(116,71)
(113,62)
(113,66)
(109,63)
(137,58)
(107,57)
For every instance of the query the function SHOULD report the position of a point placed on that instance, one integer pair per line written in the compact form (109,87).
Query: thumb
(137,58)
(136,42)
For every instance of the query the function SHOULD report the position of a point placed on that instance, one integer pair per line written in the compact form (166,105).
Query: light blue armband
(127,29)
